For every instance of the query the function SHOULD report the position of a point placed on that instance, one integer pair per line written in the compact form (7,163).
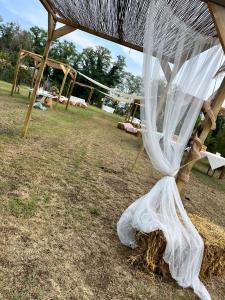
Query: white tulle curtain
(172,101)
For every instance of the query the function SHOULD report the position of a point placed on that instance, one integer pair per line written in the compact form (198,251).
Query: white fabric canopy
(168,114)
(116,98)
(113,92)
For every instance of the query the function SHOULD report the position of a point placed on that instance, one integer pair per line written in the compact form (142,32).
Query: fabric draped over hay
(151,248)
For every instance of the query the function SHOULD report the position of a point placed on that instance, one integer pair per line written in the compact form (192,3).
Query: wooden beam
(50,62)
(48,7)
(64,68)
(63,83)
(70,92)
(62,31)
(218,15)
(83,85)
(16,73)
(51,24)
(90,95)
(219,2)
(33,78)
(134,112)
(166,69)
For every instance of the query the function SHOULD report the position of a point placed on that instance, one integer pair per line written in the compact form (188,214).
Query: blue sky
(28,13)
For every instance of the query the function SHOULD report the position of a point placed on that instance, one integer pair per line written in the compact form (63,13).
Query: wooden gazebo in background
(123,22)
(67,69)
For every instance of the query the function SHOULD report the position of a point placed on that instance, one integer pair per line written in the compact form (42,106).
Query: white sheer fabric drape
(169,112)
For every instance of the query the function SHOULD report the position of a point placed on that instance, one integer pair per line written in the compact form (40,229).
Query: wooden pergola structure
(67,69)
(124,23)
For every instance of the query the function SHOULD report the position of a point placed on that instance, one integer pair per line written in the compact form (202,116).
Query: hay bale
(152,246)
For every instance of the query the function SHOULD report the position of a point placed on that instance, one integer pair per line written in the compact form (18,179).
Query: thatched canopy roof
(123,21)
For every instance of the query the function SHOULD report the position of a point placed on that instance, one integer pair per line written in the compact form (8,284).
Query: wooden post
(134,112)
(90,95)
(33,78)
(218,15)
(127,117)
(51,27)
(68,90)
(16,73)
(63,83)
(71,90)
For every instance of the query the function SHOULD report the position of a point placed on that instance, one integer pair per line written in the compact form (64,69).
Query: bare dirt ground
(62,192)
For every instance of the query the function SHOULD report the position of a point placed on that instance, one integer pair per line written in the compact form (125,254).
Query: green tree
(131,84)
(12,38)
(7,34)
(98,64)
(64,51)
(213,141)
(220,142)
(38,38)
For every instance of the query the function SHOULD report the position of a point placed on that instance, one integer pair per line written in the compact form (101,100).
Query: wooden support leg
(68,90)
(32,81)
(70,93)
(71,90)
(16,74)
(127,117)
(134,112)
(90,95)
(39,74)
(63,84)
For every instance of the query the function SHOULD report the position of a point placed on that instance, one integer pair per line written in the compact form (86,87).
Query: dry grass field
(62,190)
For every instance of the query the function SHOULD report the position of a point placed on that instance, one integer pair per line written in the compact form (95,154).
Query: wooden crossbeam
(62,31)
(83,85)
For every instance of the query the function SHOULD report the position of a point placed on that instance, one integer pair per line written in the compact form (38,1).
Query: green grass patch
(95,211)
(80,157)
(22,208)
(200,170)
